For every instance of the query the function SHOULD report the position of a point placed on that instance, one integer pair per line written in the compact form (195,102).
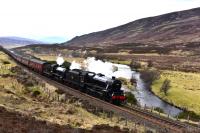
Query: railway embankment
(27,100)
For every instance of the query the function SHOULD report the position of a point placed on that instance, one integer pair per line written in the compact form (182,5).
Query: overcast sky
(50,19)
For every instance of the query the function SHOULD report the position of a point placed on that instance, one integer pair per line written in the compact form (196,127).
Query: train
(97,85)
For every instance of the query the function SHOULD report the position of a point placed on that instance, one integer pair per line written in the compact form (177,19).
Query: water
(142,93)
(146,97)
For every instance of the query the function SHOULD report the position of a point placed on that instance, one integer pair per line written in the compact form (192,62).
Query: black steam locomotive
(97,85)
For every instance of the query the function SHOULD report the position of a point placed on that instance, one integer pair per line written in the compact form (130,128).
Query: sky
(61,20)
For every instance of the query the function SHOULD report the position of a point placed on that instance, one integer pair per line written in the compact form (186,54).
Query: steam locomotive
(97,85)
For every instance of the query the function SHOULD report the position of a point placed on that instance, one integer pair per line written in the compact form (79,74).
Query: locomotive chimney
(113,77)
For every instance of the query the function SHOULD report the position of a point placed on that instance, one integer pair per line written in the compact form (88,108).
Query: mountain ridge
(170,28)
(17,40)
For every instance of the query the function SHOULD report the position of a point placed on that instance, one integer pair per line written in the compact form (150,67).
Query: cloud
(38,18)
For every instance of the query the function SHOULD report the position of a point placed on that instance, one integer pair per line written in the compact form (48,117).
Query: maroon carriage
(36,65)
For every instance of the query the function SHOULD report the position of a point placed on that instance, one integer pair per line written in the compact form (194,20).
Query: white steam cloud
(107,68)
(75,65)
(60,60)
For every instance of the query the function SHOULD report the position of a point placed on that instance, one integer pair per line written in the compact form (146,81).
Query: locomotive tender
(97,85)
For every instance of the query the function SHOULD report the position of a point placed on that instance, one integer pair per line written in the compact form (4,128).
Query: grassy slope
(184,91)
(5,68)
(14,97)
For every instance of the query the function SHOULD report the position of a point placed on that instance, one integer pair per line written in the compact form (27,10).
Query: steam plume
(60,60)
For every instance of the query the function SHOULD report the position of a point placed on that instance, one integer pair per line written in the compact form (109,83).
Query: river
(147,98)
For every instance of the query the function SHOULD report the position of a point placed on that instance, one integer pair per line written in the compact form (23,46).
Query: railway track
(136,114)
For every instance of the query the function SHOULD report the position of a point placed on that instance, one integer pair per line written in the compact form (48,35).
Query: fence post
(49,95)
(199,124)
(117,118)
(144,127)
(65,98)
(58,97)
(96,110)
(188,118)
(126,122)
(103,114)
(111,116)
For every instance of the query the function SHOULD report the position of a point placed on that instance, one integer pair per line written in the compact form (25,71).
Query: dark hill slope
(171,28)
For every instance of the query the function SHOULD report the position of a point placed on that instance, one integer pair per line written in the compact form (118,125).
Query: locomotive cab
(49,69)
(54,70)
(59,72)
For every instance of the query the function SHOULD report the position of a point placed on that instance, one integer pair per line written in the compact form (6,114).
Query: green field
(184,91)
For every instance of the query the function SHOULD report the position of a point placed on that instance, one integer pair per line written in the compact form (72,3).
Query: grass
(14,95)
(184,91)
(5,65)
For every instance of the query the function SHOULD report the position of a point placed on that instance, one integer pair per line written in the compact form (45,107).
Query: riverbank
(146,98)
(184,91)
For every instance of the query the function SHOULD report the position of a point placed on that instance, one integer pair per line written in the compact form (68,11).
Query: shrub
(149,76)
(16,69)
(150,63)
(159,110)
(130,98)
(5,62)
(35,93)
(29,83)
(71,110)
(135,64)
(76,54)
(165,86)
(192,115)
(59,91)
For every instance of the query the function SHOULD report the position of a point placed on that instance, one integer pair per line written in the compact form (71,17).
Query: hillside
(17,41)
(50,110)
(172,28)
